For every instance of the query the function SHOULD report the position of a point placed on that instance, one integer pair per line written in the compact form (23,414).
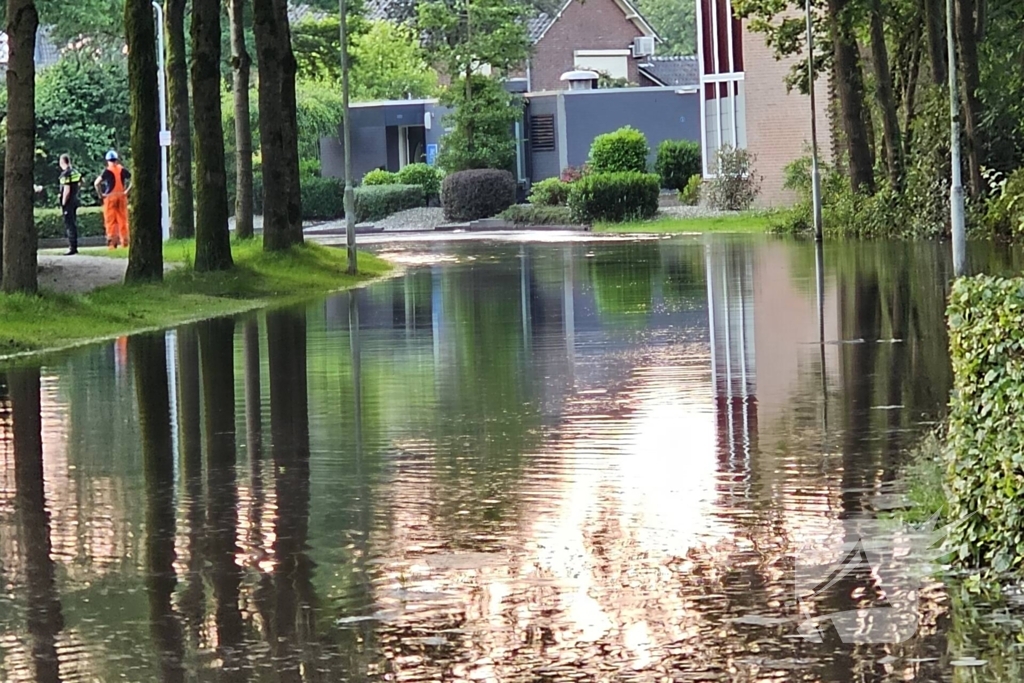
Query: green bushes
(427,177)
(615,197)
(472,195)
(323,199)
(379,176)
(50,222)
(677,162)
(690,195)
(535,214)
(736,184)
(623,151)
(985,472)
(379,201)
(550,192)
(1005,214)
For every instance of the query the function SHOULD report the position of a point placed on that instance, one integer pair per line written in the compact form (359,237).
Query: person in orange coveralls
(113,186)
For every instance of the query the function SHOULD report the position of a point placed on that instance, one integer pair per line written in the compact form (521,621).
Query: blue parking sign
(431,154)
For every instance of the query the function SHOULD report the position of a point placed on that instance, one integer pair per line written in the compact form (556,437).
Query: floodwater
(551,461)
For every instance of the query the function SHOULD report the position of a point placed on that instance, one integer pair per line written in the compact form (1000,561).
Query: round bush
(623,151)
(481,193)
(425,176)
(677,162)
(379,176)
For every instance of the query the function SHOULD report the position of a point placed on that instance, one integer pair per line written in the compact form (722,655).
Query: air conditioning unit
(643,46)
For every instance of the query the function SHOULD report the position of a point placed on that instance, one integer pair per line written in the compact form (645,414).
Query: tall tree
(886,96)
(213,241)
(145,252)
(183,223)
(935,23)
(850,88)
(241,64)
(282,206)
(969,27)
(19,234)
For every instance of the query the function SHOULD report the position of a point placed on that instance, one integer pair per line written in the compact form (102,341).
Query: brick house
(599,35)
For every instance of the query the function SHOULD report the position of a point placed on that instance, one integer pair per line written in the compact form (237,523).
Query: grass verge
(52,321)
(747,222)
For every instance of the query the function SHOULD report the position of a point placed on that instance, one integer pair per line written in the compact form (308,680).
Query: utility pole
(346,125)
(956,190)
(165,135)
(815,168)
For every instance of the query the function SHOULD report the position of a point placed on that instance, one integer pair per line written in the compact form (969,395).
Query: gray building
(556,133)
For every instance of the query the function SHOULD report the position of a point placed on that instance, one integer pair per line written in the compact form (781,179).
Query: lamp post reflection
(45,619)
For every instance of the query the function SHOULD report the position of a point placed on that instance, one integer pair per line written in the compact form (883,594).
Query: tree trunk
(935,21)
(970,77)
(278,130)
(850,88)
(19,236)
(886,96)
(145,251)
(213,241)
(241,64)
(183,223)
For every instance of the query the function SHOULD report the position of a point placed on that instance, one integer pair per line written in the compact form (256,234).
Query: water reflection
(529,462)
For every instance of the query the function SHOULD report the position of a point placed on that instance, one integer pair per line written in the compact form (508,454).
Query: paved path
(80,273)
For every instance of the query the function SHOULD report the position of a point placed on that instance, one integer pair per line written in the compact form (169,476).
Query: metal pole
(350,211)
(165,135)
(956,190)
(815,168)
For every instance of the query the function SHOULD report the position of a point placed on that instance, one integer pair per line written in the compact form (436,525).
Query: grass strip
(747,222)
(48,321)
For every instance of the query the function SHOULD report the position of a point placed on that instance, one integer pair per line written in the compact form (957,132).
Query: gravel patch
(693,212)
(423,218)
(80,274)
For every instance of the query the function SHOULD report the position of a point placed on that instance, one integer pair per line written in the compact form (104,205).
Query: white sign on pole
(165,138)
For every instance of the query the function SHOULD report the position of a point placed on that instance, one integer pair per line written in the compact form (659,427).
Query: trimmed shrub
(427,177)
(985,469)
(550,192)
(615,197)
(534,214)
(50,222)
(481,193)
(677,162)
(323,199)
(736,183)
(379,176)
(690,195)
(623,151)
(379,201)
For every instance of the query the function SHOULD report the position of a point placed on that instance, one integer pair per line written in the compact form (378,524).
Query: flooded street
(586,460)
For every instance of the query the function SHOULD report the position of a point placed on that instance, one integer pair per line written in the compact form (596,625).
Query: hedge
(427,177)
(379,201)
(550,192)
(677,162)
(324,199)
(481,193)
(50,222)
(534,214)
(379,176)
(985,469)
(614,197)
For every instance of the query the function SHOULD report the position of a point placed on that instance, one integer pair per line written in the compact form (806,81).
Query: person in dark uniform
(70,186)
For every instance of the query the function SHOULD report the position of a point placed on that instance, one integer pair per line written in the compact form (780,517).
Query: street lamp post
(350,212)
(956,190)
(165,135)
(815,168)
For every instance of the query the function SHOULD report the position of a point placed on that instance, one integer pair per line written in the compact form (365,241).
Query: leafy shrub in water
(427,177)
(736,183)
(379,176)
(623,151)
(475,194)
(533,214)
(677,162)
(690,195)
(615,197)
(379,201)
(985,473)
(550,192)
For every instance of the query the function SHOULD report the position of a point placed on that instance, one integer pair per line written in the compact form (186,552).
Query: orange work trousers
(115,219)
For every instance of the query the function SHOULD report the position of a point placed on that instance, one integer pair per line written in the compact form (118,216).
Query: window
(615,63)
(542,133)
